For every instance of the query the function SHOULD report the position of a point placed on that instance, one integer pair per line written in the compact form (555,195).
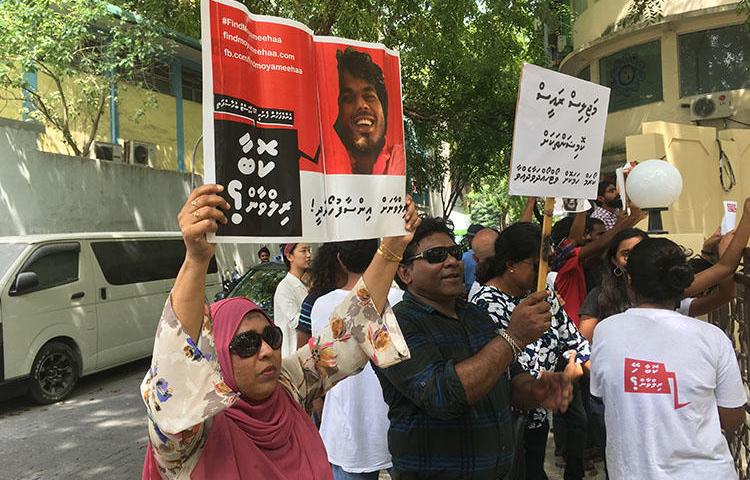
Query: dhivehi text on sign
(558,135)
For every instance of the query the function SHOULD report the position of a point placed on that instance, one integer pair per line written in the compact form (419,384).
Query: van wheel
(53,374)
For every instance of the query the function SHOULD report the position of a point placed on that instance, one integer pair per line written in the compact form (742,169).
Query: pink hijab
(274,440)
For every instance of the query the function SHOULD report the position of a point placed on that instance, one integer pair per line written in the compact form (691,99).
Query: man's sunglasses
(438,254)
(247,344)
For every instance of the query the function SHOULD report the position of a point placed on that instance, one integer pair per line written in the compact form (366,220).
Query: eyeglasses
(438,254)
(247,344)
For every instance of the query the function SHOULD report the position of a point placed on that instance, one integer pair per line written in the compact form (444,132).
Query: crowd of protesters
(427,358)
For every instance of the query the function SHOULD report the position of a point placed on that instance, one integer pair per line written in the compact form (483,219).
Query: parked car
(75,304)
(259,284)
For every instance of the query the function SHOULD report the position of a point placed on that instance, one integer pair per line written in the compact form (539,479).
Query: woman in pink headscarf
(221,403)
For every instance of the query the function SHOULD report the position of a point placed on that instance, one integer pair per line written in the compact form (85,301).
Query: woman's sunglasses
(247,344)
(438,254)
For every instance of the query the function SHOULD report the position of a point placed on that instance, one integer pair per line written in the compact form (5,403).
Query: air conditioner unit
(112,152)
(711,106)
(140,153)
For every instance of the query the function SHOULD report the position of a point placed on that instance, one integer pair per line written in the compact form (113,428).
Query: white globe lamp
(653,185)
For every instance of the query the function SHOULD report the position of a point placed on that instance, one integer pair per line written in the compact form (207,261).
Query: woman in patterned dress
(507,279)
(220,401)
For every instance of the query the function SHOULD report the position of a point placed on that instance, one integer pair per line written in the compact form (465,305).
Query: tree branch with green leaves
(78,50)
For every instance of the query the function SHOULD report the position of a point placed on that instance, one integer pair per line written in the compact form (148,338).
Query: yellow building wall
(156,126)
(52,140)
(694,151)
(10,108)
(601,15)
(192,113)
(680,17)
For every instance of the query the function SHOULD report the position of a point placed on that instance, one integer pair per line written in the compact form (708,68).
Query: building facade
(678,74)
(164,135)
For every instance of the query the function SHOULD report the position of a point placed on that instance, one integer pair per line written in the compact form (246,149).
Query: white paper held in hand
(730,216)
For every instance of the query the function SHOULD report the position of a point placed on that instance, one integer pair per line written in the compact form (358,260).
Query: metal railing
(734,319)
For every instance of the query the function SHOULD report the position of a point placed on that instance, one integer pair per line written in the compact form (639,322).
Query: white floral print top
(184,387)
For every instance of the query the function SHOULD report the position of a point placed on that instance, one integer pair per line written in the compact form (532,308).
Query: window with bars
(192,85)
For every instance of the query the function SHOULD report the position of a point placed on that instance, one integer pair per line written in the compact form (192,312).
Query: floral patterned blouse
(545,353)
(184,389)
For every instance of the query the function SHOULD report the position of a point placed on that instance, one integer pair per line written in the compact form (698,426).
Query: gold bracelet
(511,342)
(390,252)
(389,256)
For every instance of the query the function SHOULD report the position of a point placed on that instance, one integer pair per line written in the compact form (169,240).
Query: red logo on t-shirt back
(732,207)
(644,376)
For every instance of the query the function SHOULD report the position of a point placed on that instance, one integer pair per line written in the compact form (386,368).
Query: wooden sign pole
(541,281)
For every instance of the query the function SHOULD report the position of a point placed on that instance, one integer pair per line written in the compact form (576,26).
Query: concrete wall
(42,192)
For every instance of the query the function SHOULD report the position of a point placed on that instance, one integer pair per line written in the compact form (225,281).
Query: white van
(74,304)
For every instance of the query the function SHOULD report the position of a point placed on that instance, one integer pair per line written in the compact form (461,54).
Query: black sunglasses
(438,254)
(247,344)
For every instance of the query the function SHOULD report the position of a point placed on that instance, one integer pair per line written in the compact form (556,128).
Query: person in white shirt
(670,383)
(290,293)
(355,423)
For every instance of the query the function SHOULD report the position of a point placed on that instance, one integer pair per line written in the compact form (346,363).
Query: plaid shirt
(434,433)
(609,218)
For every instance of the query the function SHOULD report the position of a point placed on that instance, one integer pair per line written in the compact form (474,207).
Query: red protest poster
(305,132)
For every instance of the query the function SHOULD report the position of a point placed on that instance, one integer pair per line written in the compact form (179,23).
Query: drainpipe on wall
(32,81)
(175,78)
(114,115)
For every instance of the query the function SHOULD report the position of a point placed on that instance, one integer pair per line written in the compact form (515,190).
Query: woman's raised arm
(362,327)
(200,215)
(379,275)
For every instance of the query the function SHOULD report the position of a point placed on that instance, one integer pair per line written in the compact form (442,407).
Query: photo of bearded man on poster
(362,120)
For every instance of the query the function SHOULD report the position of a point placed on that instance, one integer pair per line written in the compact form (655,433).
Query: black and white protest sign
(558,135)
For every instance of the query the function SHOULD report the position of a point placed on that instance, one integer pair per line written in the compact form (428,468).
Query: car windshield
(259,285)
(8,254)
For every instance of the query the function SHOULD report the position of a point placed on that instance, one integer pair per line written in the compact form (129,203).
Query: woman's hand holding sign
(200,215)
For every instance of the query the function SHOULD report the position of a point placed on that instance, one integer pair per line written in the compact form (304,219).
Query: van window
(9,252)
(133,261)
(55,265)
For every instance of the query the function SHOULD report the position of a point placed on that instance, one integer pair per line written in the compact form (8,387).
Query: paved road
(99,432)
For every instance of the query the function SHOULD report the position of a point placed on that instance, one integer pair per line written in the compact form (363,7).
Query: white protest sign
(730,217)
(558,135)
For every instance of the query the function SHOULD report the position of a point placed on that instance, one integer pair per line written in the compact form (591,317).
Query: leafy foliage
(639,12)
(179,15)
(259,285)
(490,204)
(81,50)
(743,8)
(460,63)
